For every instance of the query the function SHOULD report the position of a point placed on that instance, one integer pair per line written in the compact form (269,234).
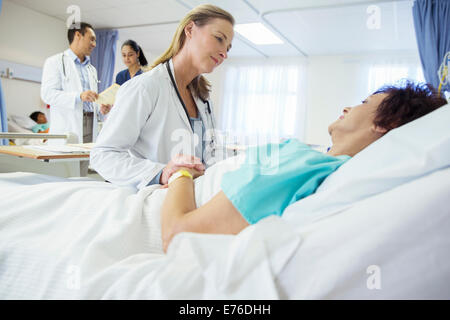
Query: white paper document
(109,95)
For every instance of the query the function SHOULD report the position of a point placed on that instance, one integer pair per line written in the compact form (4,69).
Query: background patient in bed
(42,125)
(247,196)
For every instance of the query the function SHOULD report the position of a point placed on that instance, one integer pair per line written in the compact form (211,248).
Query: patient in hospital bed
(34,123)
(257,189)
(42,125)
(94,240)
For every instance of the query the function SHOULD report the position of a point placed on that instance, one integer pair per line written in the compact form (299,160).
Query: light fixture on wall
(257,33)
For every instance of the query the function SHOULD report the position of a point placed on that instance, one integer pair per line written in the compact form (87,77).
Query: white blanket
(393,245)
(71,239)
(65,239)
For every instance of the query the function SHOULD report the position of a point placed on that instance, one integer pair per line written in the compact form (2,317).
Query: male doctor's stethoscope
(91,69)
(208,108)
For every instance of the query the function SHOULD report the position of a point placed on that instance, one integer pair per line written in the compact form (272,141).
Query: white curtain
(264,99)
(392,71)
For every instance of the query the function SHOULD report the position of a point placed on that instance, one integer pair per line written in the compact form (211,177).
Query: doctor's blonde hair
(201,16)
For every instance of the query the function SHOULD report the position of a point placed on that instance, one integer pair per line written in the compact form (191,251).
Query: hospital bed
(22,124)
(377,228)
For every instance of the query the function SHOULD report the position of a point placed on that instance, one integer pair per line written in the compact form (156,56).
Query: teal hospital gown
(40,127)
(274,176)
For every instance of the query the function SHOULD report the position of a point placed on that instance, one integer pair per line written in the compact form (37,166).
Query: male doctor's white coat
(146,127)
(60,87)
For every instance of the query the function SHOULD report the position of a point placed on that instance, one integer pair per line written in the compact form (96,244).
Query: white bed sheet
(50,229)
(66,239)
(403,232)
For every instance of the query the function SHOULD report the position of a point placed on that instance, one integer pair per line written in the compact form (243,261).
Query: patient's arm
(179,213)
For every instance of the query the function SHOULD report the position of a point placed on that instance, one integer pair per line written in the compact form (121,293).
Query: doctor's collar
(75,58)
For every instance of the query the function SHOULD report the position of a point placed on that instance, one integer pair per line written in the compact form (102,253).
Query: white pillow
(14,127)
(24,122)
(402,155)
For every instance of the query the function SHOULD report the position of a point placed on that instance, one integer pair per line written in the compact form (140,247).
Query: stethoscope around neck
(64,68)
(208,107)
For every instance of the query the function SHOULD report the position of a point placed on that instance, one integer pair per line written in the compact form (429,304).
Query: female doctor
(162,120)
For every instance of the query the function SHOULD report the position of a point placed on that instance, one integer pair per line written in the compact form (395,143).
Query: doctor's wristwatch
(178,174)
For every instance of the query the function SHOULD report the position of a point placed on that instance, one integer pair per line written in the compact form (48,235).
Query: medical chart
(109,95)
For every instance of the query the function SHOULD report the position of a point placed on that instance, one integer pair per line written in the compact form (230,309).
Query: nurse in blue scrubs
(134,59)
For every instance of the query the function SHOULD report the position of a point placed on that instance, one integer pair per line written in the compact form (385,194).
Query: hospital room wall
(27,37)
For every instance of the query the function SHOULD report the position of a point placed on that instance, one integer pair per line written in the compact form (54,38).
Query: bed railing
(70,137)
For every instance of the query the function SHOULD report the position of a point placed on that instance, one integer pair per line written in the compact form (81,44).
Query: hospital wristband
(178,174)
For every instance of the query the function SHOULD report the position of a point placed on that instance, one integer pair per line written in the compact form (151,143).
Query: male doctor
(69,86)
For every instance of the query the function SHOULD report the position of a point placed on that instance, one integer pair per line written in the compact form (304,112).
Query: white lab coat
(146,127)
(61,92)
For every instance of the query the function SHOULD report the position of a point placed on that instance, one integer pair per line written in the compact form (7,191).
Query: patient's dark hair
(406,102)
(73,28)
(35,115)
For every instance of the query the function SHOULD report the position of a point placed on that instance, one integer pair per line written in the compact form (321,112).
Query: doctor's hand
(105,108)
(88,96)
(181,162)
(194,173)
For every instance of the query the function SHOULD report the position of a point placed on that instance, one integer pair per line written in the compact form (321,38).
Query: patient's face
(41,118)
(357,122)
